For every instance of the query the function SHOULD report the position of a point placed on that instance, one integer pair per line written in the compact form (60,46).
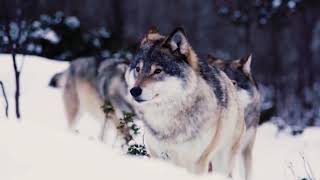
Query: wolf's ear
(153,30)
(246,64)
(152,35)
(177,41)
(212,59)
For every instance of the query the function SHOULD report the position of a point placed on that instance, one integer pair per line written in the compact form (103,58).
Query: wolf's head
(162,67)
(239,71)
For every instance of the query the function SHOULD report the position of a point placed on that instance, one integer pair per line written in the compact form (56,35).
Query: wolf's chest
(182,154)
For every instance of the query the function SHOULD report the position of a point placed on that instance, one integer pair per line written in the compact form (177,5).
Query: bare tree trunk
(5,98)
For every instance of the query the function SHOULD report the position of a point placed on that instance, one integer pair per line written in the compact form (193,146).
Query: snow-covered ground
(39,146)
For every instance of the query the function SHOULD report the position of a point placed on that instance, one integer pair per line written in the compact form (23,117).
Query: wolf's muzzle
(135,91)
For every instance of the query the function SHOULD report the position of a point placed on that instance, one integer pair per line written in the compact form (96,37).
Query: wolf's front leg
(203,166)
(221,163)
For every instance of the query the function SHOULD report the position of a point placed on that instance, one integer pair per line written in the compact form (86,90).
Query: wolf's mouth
(139,100)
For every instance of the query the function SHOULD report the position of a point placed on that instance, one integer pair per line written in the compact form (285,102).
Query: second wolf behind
(88,83)
(239,72)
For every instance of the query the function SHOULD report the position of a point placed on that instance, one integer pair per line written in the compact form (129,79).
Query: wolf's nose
(136,91)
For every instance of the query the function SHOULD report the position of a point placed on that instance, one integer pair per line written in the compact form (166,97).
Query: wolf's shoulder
(213,77)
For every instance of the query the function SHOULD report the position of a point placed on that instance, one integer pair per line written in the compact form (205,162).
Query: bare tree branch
(307,167)
(13,46)
(5,98)
(17,81)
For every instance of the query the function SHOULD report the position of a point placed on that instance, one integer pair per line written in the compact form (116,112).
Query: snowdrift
(39,146)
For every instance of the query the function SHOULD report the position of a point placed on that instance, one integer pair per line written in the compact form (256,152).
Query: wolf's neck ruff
(180,119)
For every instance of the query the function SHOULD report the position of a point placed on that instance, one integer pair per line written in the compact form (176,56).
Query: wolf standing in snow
(239,71)
(88,83)
(190,110)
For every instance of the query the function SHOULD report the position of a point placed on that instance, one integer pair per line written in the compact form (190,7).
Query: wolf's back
(56,80)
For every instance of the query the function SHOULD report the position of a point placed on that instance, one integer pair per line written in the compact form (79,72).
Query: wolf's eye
(157,71)
(234,82)
(138,69)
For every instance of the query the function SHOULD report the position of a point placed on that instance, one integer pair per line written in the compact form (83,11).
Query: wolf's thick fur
(88,83)
(190,110)
(239,72)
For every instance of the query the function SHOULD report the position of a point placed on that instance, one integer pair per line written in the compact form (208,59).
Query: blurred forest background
(282,35)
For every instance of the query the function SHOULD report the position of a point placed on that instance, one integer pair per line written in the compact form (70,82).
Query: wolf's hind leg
(71,103)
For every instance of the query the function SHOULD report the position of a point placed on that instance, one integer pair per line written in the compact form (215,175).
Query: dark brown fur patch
(150,37)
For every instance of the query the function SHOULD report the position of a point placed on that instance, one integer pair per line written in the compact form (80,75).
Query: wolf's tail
(57,80)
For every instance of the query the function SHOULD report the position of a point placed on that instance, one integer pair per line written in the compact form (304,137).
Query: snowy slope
(280,155)
(40,147)
(33,153)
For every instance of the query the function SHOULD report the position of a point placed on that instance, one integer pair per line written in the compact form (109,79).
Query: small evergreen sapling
(137,150)
(127,127)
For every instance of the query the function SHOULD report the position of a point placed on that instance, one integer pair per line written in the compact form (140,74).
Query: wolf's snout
(136,91)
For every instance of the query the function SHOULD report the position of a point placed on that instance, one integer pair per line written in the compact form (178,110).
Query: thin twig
(307,168)
(5,98)
(103,129)
(290,166)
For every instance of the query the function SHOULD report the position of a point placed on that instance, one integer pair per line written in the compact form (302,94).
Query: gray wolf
(88,83)
(191,112)
(239,71)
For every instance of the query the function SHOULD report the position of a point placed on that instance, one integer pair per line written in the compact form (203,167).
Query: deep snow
(39,146)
